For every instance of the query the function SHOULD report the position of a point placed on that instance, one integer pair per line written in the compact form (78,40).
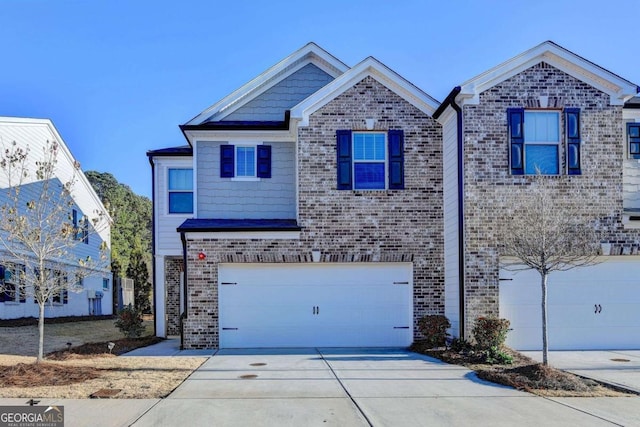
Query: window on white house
(105,284)
(180,191)
(12,283)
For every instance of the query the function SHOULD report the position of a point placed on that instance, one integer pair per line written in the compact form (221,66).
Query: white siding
(167,238)
(450,188)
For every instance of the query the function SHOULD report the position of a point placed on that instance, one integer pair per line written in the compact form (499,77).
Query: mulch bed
(524,374)
(44,374)
(52,374)
(121,346)
(30,321)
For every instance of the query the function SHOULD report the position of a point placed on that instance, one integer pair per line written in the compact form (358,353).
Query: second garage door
(596,307)
(315,305)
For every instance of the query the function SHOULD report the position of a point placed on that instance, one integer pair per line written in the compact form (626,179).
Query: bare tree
(547,232)
(40,229)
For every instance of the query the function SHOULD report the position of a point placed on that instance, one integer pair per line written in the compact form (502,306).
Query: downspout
(183,315)
(461,254)
(153,244)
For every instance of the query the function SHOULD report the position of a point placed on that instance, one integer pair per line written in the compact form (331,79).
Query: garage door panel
(595,307)
(326,305)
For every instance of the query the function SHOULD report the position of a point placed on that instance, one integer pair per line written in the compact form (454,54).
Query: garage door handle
(316,309)
(598,308)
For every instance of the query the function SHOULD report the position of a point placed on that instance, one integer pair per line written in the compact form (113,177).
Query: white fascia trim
(369,67)
(82,179)
(242,135)
(266,235)
(619,89)
(306,54)
(631,114)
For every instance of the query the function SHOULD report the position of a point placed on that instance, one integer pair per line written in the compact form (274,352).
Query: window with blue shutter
(516,134)
(396,159)
(227,161)
(370,160)
(633,137)
(572,125)
(263,161)
(344,159)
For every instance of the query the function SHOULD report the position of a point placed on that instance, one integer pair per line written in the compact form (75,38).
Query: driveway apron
(358,387)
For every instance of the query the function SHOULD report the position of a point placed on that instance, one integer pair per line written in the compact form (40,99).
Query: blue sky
(117,77)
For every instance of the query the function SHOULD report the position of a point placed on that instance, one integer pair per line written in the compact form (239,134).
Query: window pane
(181,202)
(542,157)
(369,146)
(369,176)
(246,161)
(180,179)
(541,127)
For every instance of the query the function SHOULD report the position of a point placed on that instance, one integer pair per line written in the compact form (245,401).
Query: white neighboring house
(96,298)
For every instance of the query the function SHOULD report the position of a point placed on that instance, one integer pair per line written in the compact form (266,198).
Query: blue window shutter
(264,161)
(2,292)
(396,159)
(633,136)
(344,159)
(227,161)
(516,137)
(572,126)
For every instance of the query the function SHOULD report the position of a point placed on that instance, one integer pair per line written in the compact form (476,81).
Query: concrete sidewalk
(617,367)
(168,347)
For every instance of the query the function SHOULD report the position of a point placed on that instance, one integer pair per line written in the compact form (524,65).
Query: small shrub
(496,356)
(130,322)
(490,332)
(460,345)
(434,329)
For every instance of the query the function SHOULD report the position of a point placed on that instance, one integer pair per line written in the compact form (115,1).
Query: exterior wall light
(202,256)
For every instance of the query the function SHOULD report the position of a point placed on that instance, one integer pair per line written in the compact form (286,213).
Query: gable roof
(619,89)
(308,54)
(369,67)
(34,133)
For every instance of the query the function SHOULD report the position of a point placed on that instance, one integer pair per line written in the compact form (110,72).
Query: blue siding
(272,104)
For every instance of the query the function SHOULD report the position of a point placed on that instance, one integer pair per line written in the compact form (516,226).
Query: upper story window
(180,191)
(370,160)
(245,161)
(633,140)
(536,141)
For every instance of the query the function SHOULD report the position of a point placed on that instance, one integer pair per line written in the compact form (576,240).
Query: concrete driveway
(356,387)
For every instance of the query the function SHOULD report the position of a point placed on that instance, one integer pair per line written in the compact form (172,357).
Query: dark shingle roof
(219,225)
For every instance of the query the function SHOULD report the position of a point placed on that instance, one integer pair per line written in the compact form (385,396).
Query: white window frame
(169,191)
(558,143)
(253,145)
(385,161)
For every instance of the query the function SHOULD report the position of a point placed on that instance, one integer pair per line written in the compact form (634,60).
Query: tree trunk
(545,337)
(40,332)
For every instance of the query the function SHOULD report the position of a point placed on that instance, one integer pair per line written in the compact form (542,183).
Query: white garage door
(589,308)
(315,305)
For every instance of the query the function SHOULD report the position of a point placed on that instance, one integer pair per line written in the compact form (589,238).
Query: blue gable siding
(272,104)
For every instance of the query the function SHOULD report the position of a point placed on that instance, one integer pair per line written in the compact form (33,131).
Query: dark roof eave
(242,125)
(234,229)
(184,151)
(447,101)
(237,225)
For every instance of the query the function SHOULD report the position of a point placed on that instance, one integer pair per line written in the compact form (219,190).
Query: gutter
(451,100)
(183,315)
(153,244)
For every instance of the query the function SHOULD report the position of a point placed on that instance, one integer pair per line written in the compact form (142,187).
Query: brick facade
(173,270)
(348,226)
(489,186)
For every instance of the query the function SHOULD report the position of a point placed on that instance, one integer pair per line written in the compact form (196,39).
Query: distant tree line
(130,233)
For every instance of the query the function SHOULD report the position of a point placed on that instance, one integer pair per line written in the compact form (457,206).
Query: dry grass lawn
(134,377)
